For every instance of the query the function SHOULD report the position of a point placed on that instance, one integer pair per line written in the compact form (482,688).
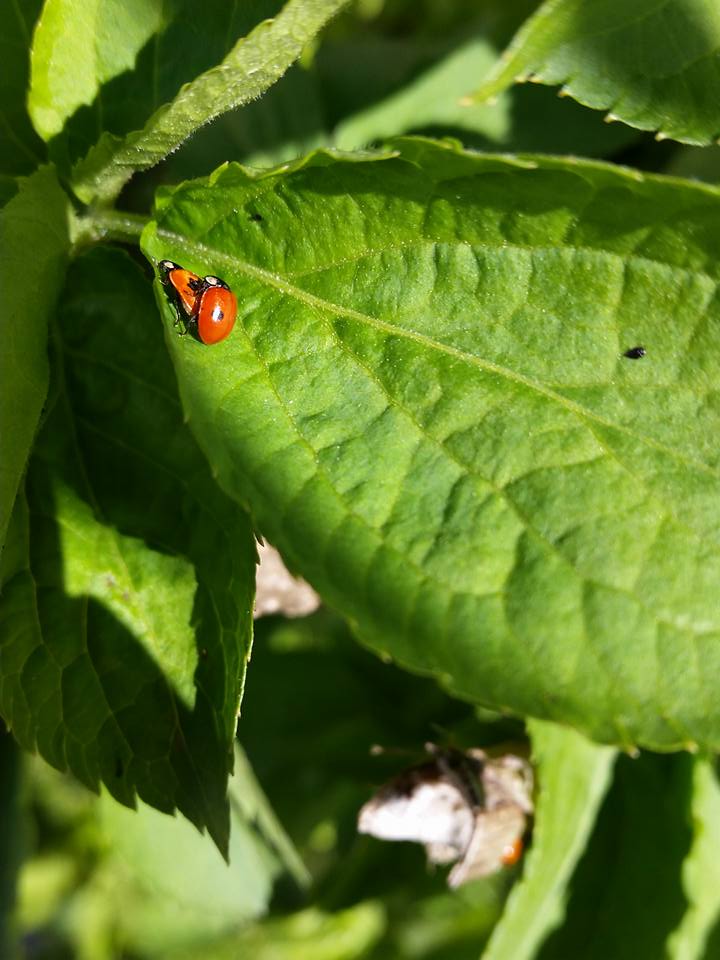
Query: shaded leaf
(652,65)
(255,63)
(431,415)
(325,751)
(20,147)
(78,46)
(10,837)
(626,896)
(701,869)
(180,891)
(524,118)
(310,746)
(183,46)
(310,934)
(286,122)
(695,163)
(36,220)
(573,775)
(128,597)
(8,189)
(249,801)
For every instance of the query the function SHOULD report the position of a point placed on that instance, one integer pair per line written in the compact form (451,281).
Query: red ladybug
(182,287)
(206,307)
(216,311)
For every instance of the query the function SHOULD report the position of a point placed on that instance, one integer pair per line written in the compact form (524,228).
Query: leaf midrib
(203,251)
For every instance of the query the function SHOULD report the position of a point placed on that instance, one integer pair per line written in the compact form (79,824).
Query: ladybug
(216,311)
(206,306)
(182,287)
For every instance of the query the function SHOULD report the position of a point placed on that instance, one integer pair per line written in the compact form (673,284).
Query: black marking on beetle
(256,217)
(635,353)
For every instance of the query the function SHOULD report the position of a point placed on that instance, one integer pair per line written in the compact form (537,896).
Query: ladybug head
(167,266)
(216,282)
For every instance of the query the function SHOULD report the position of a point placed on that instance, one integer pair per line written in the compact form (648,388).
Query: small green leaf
(253,64)
(78,46)
(626,895)
(650,64)
(34,227)
(701,870)
(310,934)
(182,47)
(126,609)
(433,99)
(182,891)
(248,801)
(573,776)
(427,404)
(525,118)
(20,148)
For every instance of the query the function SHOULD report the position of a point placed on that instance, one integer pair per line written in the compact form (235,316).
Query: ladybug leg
(178,319)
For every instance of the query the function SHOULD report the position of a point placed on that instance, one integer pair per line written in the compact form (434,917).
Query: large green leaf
(573,775)
(20,148)
(426,403)
(126,611)
(650,63)
(78,46)
(35,234)
(254,63)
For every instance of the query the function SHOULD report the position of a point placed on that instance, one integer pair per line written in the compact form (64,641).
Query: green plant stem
(108,225)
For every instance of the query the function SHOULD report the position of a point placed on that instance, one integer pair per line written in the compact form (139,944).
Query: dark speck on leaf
(255,217)
(635,353)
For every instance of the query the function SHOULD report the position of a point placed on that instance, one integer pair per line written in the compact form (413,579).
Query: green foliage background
(426,404)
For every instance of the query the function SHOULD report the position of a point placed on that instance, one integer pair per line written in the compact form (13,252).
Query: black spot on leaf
(635,353)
